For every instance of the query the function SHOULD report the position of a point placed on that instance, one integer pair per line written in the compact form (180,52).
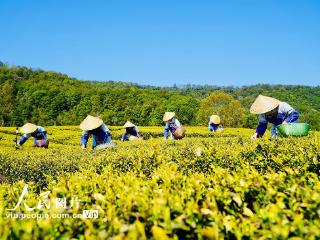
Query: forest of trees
(50,98)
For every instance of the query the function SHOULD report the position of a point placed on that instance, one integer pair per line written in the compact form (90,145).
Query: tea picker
(101,135)
(38,133)
(173,126)
(214,124)
(132,132)
(273,111)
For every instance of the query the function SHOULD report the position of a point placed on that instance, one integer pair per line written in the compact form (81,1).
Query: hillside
(50,98)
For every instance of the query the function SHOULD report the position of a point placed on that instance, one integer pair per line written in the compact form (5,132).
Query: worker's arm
(124,136)
(24,139)
(210,127)
(44,133)
(262,127)
(105,129)
(137,131)
(291,115)
(177,123)
(166,130)
(84,139)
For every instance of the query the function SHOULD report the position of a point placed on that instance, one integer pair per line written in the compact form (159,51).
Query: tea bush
(206,186)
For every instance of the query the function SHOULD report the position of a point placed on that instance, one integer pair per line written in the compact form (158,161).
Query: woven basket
(134,138)
(179,133)
(42,143)
(294,129)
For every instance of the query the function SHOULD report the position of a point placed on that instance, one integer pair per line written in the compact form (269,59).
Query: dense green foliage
(206,186)
(49,98)
(224,105)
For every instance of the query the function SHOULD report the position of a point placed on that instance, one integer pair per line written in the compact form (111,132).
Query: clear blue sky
(217,42)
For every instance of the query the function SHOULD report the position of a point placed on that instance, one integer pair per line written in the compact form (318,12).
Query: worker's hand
(284,122)
(254,136)
(83,147)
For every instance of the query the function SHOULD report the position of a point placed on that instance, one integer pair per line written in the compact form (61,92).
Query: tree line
(51,98)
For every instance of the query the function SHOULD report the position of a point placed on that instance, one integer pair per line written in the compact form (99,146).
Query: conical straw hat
(168,115)
(90,123)
(215,119)
(28,128)
(264,104)
(128,124)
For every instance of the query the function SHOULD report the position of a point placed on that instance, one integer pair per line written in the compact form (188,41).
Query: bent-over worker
(173,126)
(131,133)
(38,133)
(214,124)
(273,111)
(94,126)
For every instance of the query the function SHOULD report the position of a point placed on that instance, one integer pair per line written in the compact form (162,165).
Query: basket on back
(179,133)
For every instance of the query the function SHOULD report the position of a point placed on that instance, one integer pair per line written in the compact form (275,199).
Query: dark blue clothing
(100,136)
(172,125)
(213,127)
(39,134)
(285,113)
(130,132)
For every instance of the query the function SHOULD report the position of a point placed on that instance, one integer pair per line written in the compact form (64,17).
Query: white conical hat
(168,115)
(215,119)
(128,124)
(90,123)
(28,128)
(264,104)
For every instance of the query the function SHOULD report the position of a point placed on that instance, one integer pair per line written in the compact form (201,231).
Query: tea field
(206,186)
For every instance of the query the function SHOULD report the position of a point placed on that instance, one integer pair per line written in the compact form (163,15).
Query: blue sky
(217,42)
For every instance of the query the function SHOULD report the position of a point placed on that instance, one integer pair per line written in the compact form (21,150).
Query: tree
(6,102)
(185,108)
(230,110)
(311,117)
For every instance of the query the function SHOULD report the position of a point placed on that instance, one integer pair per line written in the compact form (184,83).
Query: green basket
(294,129)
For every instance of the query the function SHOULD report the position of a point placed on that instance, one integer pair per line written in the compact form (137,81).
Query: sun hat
(28,128)
(264,104)
(128,124)
(90,123)
(215,119)
(168,115)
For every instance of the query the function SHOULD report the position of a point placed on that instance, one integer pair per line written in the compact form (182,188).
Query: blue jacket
(130,132)
(213,127)
(39,134)
(285,113)
(172,125)
(100,136)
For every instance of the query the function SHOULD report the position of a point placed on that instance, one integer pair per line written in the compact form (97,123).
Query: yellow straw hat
(90,123)
(168,115)
(264,104)
(28,128)
(128,124)
(215,119)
